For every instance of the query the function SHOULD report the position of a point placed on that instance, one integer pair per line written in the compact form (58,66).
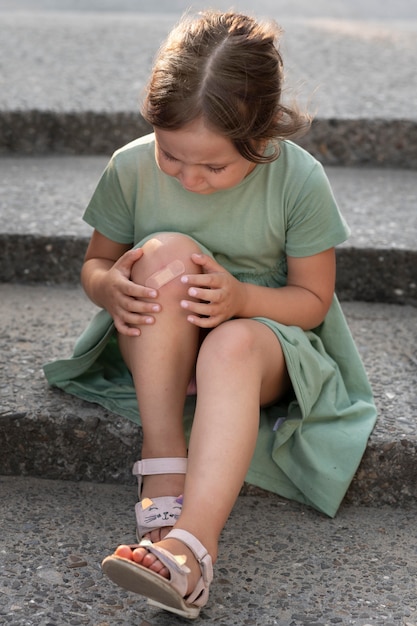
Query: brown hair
(225,68)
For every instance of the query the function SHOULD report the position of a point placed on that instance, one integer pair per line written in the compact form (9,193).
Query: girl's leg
(240,367)
(161,361)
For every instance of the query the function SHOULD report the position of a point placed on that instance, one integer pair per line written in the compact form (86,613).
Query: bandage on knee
(166,274)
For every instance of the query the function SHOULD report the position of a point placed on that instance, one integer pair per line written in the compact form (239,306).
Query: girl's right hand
(130,305)
(106,278)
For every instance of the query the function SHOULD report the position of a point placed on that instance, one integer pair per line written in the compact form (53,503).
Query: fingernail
(156,308)
(184,304)
(149,320)
(184,279)
(192,291)
(153,294)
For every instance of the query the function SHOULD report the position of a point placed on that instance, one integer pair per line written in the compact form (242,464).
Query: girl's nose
(189,176)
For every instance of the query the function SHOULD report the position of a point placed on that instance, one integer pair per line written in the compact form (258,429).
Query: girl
(213,260)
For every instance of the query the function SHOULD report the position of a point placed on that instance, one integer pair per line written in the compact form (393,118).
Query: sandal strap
(164,465)
(199,596)
(157,513)
(179,571)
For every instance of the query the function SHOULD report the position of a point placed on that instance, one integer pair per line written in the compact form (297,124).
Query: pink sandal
(163,510)
(168,594)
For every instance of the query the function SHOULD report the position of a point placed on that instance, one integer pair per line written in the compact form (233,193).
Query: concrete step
(43,238)
(73,78)
(279,563)
(44,432)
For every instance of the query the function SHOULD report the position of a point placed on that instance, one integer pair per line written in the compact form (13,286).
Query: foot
(174,574)
(150,561)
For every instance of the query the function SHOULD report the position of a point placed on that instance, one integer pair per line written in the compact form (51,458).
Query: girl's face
(201,160)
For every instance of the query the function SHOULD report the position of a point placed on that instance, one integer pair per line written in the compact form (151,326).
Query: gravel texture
(43,237)
(45,432)
(279,564)
(72,73)
(50,101)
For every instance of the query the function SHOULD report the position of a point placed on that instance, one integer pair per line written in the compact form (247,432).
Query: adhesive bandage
(166,274)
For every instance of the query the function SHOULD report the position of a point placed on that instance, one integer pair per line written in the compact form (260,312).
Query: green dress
(310,446)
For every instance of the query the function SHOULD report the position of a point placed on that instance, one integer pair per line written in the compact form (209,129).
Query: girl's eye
(216,170)
(169,157)
(213,170)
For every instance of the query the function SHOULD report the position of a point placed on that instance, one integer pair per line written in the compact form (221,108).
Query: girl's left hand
(217,295)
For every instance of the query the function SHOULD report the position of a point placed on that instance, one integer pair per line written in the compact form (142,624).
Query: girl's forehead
(195,142)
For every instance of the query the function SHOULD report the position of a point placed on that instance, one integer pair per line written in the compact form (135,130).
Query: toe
(139,554)
(150,561)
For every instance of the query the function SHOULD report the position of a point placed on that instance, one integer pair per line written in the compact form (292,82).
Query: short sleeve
(314,222)
(108,211)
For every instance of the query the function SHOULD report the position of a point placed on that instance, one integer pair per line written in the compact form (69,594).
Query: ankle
(162,485)
(149,451)
(207,539)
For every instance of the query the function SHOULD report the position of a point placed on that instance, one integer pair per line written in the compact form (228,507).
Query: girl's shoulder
(294,155)
(295,170)
(136,149)
(134,161)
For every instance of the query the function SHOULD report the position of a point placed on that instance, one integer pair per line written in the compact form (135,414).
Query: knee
(165,257)
(229,344)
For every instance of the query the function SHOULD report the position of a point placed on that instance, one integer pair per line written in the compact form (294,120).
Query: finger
(124,329)
(130,318)
(132,326)
(135,291)
(199,308)
(140,307)
(211,281)
(204,322)
(126,302)
(206,262)
(206,295)
(133,312)
(128,259)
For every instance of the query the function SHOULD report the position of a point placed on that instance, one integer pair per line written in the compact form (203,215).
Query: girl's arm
(101,255)
(105,277)
(304,301)
(306,298)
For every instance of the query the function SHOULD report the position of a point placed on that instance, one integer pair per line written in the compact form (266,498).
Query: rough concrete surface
(350,9)
(43,237)
(326,59)
(45,432)
(279,563)
(71,75)
(50,101)
(47,196)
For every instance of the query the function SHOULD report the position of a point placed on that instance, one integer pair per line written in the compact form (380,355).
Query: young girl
(213,260)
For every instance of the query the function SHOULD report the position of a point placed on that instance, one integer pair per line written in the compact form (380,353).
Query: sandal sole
(155,588)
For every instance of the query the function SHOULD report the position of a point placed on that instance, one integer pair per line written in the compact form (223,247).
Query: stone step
(73,78)
(47,433)
(43,238)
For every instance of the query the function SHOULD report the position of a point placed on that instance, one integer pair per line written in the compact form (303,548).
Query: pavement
(71,75)
(75,74)
(280,563)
